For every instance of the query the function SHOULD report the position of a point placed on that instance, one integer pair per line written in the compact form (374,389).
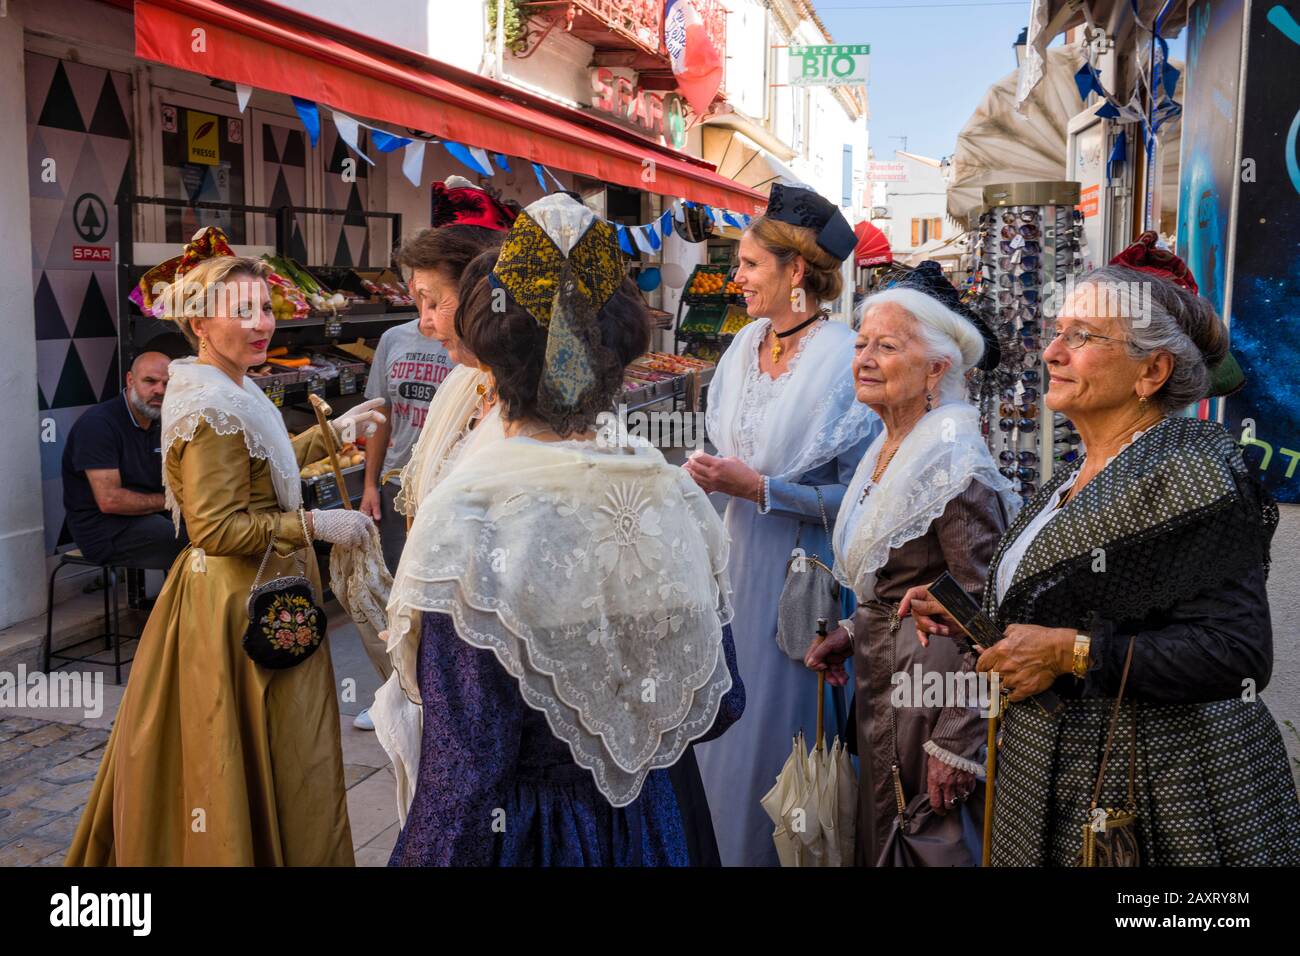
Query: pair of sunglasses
(1028,395)
(1012,409)
(1023,457)
(1018,424)
(1023,473)
(1024,215)
(1009,296)
(1068,456)
(1018,266)
(1029,231)
(1029,248)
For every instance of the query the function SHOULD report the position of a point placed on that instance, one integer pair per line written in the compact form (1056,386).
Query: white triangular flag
(413,162)
(482,156)
(243,92)
(642,243)
(348,130)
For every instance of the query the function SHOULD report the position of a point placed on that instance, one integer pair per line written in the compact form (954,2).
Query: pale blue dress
(781,693)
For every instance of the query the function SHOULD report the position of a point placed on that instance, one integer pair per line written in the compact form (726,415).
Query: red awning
(270,47)
(872,248)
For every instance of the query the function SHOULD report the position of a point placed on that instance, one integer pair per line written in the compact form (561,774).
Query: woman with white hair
(926,498)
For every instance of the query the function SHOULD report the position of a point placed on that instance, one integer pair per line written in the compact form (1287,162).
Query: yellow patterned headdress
(562,264)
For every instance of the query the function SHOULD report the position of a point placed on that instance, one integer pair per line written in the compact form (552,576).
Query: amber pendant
(776,352)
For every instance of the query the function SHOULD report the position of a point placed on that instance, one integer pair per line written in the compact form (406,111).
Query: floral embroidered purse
(285,625)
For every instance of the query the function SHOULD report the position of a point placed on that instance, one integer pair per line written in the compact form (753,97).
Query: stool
(112,635)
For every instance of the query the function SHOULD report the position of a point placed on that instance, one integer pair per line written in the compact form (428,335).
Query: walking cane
(821,688)
(990,768)
(322,410)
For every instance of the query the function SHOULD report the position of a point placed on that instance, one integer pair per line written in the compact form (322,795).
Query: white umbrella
(814,802)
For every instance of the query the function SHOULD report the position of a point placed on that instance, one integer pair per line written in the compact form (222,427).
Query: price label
(333,327)
(317,386)
(275,392)
(347,381)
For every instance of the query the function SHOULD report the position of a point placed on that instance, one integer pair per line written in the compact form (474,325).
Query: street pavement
(49,758)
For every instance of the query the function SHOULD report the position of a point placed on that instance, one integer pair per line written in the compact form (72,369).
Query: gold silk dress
(214,760)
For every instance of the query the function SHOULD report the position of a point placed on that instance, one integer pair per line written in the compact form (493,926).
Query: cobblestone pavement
(49,758)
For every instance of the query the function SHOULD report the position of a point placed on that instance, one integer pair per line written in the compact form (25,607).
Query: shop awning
(872,248)
(739,158)
(270,47)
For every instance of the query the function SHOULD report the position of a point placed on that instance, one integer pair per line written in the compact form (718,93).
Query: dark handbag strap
(1110,736)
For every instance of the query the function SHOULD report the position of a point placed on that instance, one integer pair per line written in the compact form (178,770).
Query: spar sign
(834,65)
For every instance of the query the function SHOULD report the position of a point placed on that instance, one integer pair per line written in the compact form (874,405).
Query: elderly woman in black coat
(1153,549)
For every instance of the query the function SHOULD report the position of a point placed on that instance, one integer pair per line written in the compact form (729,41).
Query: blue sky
(930,65)
(931,62)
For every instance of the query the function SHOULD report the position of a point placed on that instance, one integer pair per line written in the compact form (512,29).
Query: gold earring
(1142,402)
(928,406)
(203,345)
(794,296)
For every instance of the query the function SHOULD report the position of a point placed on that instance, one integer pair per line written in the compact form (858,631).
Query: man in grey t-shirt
(407,370)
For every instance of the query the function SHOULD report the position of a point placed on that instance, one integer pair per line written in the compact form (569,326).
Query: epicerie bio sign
(834,65)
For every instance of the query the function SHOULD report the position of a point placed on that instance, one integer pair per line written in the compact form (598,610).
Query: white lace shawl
(444,426)
(813,419)
(597,578)
(942,454)
(201,393)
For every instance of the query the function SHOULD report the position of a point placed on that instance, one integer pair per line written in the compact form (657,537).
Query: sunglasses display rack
(1029,246)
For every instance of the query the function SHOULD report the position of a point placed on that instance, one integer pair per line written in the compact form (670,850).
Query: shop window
(918,227)
(203,161)
(936,228)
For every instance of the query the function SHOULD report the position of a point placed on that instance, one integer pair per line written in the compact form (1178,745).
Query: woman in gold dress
(213,759)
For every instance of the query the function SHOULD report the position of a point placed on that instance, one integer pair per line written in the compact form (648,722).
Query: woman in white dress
(789,432)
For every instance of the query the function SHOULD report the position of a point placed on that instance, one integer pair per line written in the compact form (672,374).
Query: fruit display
(736,319)
(733,288)
(318,298)
(670,364)
(707,283)
(349,455)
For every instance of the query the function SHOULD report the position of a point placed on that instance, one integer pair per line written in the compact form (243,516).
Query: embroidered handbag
(811,592)
(1110,836)
(285,624)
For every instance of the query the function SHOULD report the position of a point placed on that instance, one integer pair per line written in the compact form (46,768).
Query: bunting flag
(730,220)
(624,242)
(413,163)
(243,93)
(537,171)
(460,152)
(481,155)
(652,237)
(310,117)
(666,224)
(678,211)
(1118,156)
(350,132)
(503,161)
(386,142)
(642,243)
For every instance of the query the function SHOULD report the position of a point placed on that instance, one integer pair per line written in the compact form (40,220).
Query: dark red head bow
(468,206)
(1145,256)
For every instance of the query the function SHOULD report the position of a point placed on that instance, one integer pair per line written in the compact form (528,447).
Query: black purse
(285,624)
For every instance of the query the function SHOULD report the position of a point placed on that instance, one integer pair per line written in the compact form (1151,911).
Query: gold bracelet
(1082,651)
(302,516)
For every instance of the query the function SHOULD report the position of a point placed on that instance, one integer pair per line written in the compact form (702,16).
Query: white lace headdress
(597,578)
(201,393)
(942,454)
(813,419)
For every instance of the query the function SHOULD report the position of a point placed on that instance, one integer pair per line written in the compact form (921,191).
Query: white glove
(362,420)
(348,529)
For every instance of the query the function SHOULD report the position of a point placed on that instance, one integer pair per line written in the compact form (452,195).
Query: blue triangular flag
(502,161)
(624,242)
(310,117)
(1107,110)
(537,171)
(463,154)
(730,220)
(652,237)
(1086,80)
(1118,155)
(666,223)
(387,142)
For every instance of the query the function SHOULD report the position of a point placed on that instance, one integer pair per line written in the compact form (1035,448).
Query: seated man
(112,475)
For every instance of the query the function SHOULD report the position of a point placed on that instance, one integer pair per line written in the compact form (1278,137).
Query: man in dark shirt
(112,475)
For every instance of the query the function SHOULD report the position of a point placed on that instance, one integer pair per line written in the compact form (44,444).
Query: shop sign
(831,65)
(92,254)
(202,130)
(887,172)
(659,114)
(1089,201)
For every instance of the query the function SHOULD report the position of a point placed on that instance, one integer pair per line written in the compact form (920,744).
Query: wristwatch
(1082,650)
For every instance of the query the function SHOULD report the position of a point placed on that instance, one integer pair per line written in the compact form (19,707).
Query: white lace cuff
(765,505)
(847,624)
(952,760)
